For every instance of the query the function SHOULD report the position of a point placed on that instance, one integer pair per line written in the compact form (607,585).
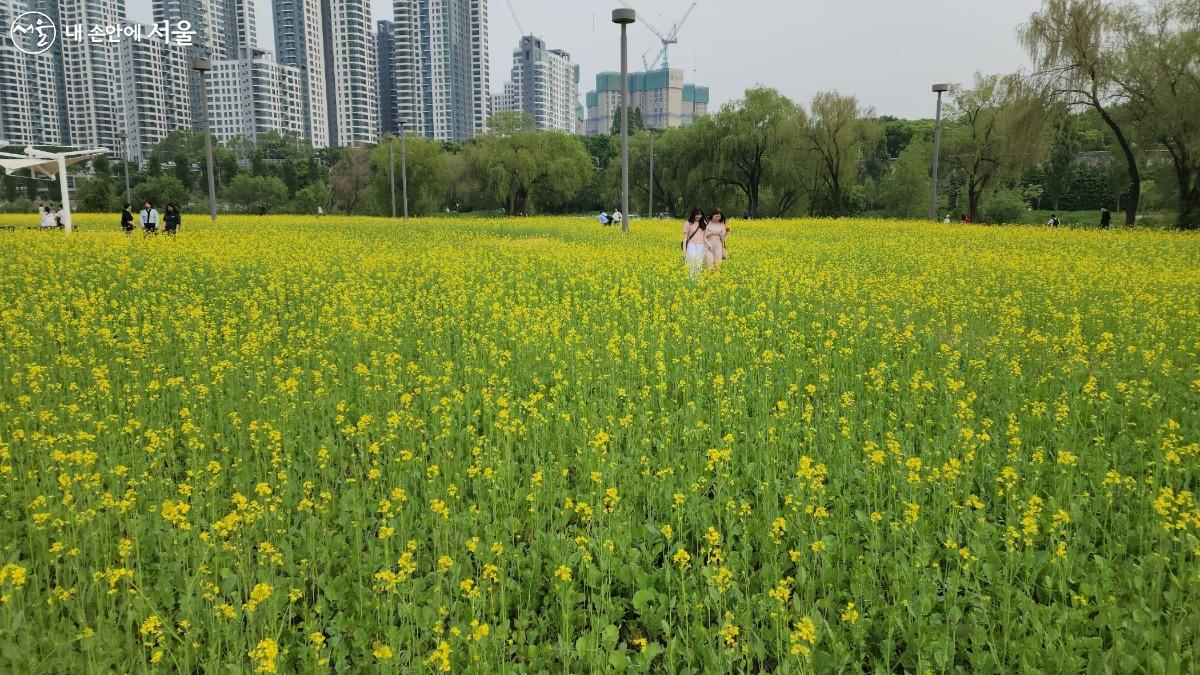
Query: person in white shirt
(946,220)
(149,218)
(47,222)
(617,217)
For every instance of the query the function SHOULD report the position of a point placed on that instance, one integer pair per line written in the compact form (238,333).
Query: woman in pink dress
(714,237)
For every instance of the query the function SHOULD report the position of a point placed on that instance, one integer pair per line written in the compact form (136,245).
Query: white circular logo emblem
(33,33)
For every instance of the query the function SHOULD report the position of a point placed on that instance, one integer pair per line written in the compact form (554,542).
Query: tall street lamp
(203,66)
(650,209)
(624,17)
(403,167)
(387,138)
(937,146)
(125,145)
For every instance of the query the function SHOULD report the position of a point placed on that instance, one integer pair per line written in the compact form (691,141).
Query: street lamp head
(938,88)
(202,65)
(624,15)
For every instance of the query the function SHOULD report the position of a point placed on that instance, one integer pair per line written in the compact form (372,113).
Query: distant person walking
(715,235)
(1105,218)
(1054,221)
(171,219)
(320,211)
(617,217)
(694,244)
(127,218)
(149,218)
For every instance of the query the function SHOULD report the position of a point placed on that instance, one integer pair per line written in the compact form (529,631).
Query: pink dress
(714,236)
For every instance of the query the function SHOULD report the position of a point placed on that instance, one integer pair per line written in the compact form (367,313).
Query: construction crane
(670,38)
(513,9)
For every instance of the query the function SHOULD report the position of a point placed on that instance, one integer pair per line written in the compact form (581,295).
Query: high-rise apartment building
(544,84)
(385,49)
(350,69)
(92,74)
(155,98)
(253,95)
(299,43)
(441,76)
(332,44)
(30,111)
(665,100)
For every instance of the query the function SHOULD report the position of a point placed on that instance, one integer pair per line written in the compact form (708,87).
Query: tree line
(1106,119)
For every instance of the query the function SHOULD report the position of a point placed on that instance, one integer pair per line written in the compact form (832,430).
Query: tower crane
(517,20)
(671,37)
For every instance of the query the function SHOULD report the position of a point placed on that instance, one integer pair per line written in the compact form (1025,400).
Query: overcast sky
(886,52)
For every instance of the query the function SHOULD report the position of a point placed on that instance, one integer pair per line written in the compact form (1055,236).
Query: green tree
(1074,44)
(997,129)
(904,190)
(428,175)
(1059,169)
(256,193)
(740,141)
(309,197)
(529,170)
(96,194)
(1160,79)
(511,123)
(838,132)
(636,123)
(161,190)
(350,177)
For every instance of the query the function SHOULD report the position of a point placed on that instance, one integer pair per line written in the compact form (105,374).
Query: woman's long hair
(702,221)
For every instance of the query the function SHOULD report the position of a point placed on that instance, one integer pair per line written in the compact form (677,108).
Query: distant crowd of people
(150,219)
(1105,219)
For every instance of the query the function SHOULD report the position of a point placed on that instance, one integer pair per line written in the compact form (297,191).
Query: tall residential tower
(544,84)
(441,76)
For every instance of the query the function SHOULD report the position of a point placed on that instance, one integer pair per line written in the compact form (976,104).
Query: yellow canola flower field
(285,444)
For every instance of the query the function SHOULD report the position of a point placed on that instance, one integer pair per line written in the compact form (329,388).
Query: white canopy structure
(46,165)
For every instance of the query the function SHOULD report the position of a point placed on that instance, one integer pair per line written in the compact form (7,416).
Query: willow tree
(1160,79)
(838,131)
(746,135)
(996,129)
(1075,44)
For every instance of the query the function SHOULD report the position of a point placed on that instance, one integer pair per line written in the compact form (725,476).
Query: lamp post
(650,209)
(623,17)
(937,146)
(203,66)
(403,168)
(125,146)
(391,171)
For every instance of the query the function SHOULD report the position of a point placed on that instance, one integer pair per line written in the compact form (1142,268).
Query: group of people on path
(704,240)
(614,219)
(150,218)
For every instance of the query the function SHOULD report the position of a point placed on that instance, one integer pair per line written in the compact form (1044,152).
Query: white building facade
(545,84)
(255,95)
(351,65)
(155,98)
(442,75)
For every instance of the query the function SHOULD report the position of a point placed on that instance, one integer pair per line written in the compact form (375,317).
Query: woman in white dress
(694,245)
(714,236)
